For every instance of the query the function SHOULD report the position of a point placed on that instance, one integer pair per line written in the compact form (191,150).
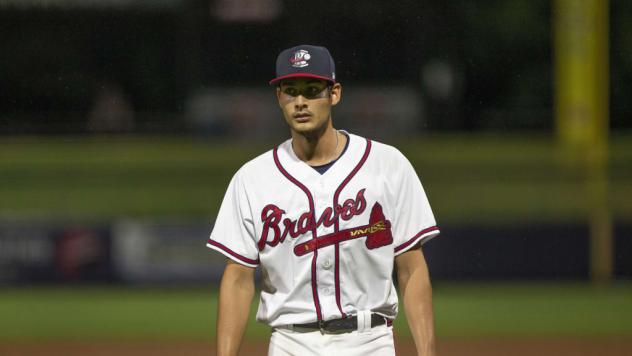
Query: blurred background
(122,122)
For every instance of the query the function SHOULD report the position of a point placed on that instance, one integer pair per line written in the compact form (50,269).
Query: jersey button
(326,264)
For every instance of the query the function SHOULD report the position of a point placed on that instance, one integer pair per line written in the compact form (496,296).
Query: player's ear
(336,93)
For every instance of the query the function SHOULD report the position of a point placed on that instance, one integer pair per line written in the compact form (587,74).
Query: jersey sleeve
(413,221)
(233,233)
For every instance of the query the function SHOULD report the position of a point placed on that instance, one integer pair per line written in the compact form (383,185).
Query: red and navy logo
(300,59)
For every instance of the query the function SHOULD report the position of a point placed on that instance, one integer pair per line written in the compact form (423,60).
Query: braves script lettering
(279,228)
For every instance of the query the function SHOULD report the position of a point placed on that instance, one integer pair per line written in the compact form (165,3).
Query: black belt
(338,326)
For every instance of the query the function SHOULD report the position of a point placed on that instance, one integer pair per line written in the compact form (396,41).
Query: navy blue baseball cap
(305,61)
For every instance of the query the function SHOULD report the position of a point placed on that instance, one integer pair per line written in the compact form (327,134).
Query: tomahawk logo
(300,58)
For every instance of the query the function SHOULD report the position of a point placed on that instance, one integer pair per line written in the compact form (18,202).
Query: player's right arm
(236,291)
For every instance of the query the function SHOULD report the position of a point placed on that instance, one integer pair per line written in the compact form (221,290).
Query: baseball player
(327,215)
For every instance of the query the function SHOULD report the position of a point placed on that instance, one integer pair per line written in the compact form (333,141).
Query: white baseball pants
(377,341)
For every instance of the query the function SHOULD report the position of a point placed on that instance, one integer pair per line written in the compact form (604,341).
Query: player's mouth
(302,116)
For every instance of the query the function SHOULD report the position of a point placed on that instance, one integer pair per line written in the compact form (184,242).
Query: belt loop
(364,320)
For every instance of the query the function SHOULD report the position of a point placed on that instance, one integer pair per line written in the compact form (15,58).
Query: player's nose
(300,101)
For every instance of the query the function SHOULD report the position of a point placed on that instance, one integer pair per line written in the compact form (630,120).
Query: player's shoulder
(381,150)
(256,166)
(386,158)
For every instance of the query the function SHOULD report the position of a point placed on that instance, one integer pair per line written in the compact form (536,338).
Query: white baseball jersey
(325,243)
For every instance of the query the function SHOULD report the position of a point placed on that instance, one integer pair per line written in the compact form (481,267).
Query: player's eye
(312,91)
(290,91)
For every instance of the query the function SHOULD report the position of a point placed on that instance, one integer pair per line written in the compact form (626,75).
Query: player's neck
(319,149)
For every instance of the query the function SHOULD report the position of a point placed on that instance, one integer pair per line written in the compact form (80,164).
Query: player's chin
(303,127)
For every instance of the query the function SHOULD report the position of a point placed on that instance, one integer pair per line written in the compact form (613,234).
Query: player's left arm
(416,292)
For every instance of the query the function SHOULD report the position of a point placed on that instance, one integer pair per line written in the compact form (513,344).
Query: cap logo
(300,58)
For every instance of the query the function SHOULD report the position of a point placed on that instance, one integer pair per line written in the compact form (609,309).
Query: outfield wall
(142,252)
